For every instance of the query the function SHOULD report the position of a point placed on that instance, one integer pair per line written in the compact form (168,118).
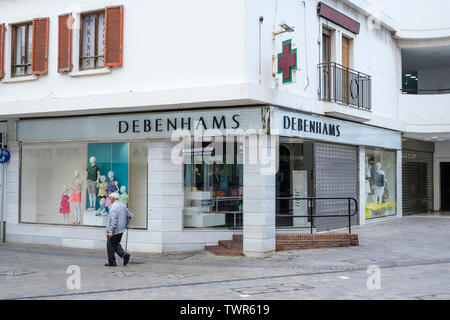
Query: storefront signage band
(138,125)
(290,123)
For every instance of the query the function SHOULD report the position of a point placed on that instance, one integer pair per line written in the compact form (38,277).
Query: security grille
(336,175)
(417,181)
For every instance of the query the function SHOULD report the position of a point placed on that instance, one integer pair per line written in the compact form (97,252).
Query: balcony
(348,89)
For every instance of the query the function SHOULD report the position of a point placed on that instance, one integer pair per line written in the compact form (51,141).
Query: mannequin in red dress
(64,207)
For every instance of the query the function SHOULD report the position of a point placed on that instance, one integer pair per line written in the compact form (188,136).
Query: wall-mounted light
(285,28)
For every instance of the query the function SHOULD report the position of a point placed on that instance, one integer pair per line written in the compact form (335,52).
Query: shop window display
(380,185)
(83,176)
(213,181)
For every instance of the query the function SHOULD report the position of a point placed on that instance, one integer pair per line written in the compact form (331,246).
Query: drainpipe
(2,195)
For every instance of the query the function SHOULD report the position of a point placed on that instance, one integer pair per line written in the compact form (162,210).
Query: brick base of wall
(289,242)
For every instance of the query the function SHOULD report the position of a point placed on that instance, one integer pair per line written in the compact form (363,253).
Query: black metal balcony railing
(425,91)
(339,83)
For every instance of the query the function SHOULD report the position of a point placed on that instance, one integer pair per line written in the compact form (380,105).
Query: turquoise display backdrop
(110,157)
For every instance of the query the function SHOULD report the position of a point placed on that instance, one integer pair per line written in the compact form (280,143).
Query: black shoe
(126,259)
(110,265)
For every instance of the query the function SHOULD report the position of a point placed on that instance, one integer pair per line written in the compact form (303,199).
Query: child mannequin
(112,187)
(123,197)
(102,210)
(64,207)
(102,186)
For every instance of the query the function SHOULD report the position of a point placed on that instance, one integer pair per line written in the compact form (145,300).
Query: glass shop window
(71,183)
(213,185)
(380,183)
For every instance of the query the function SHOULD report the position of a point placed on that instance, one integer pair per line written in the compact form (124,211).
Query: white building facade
(214,119)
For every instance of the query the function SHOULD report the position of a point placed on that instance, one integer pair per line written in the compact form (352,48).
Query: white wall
(425,113)
(178,52)
(386,79)
(167,44)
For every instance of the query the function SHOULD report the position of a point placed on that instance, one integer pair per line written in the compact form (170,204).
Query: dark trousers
(113,246)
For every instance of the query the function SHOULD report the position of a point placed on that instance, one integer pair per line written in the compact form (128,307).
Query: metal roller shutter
(417,181)
(336,175)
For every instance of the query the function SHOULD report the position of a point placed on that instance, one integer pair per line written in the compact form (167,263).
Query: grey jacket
(118,219)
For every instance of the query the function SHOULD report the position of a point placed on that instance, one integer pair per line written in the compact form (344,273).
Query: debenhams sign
(138,126)
(295,124)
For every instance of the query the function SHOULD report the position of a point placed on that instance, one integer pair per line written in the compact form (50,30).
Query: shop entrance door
(445,186)
(294,180)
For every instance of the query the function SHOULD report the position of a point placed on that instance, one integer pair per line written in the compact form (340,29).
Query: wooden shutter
(345,72)
(39,60)
(65,43)
(345,52)
(114,36)
(2,50)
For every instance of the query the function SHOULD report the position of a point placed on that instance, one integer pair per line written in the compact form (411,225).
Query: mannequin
(77,186)
(92,181)
(102,210)
(112,187)
(368,176)
(378,181)
(102,186)
(123,197)
(64,207)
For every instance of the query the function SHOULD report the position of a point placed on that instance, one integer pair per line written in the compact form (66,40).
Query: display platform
(91,219)
(198,210)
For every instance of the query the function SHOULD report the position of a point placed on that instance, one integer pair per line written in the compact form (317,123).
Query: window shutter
(114,36)
(65,43)
(39,61)
(2,50)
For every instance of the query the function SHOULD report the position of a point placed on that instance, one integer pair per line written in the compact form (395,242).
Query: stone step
(289,241)
(315,245)
(238,237)
(312,242)
(222,251)
(231,244)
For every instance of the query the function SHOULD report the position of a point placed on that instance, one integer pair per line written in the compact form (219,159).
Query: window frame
(14,66)
(96,56)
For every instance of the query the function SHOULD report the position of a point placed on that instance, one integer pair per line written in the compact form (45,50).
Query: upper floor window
(326,45)
(100,41)
(22,45)
(29,47)
(93,40)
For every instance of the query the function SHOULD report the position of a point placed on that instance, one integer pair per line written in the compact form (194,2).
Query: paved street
(413,254)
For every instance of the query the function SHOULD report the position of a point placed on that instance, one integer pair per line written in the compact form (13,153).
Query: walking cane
(126,242)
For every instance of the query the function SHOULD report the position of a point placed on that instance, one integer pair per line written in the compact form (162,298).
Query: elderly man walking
(118,219)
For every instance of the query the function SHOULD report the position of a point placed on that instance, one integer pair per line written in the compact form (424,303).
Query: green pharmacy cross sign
(287,61)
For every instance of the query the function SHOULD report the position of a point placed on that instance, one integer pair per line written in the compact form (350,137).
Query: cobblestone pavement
(412,253)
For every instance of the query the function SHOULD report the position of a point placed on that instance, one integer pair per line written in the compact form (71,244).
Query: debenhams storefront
(192,178)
